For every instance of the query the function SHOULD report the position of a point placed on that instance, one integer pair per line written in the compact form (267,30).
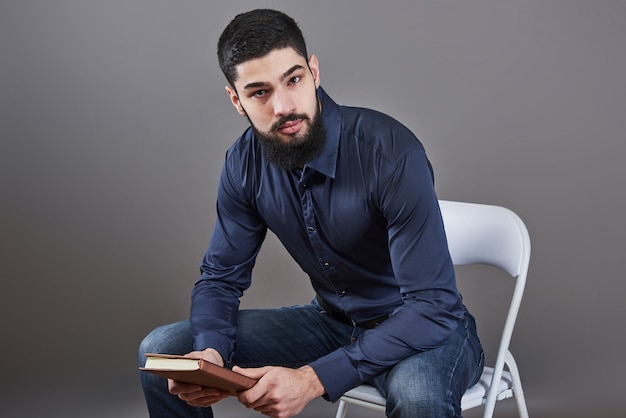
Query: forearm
(213,318)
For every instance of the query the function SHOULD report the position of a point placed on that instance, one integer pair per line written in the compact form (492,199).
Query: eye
(259,93)
(295,79)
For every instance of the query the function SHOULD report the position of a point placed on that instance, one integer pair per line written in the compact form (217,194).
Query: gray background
(114,123)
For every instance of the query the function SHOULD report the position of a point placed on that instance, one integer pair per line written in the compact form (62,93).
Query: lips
(290,127)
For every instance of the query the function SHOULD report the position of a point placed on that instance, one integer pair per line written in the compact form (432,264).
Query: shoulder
(377,131)
(243,163)
(243,146)
(244,153)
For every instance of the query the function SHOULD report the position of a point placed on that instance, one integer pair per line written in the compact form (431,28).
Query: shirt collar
(326,162)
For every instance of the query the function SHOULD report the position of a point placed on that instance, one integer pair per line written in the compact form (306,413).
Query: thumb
(254,373)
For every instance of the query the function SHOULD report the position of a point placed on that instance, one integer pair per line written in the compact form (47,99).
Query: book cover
(196,371)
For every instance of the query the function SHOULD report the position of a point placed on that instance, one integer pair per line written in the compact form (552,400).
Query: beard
(300,149)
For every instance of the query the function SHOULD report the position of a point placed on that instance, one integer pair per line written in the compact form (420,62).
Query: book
(196,371)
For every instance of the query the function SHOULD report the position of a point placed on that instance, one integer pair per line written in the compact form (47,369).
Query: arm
(431,306)
(227,266)
(225,273)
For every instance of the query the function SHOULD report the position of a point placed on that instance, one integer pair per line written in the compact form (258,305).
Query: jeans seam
(456,363)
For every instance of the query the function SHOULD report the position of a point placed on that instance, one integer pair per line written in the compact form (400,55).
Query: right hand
(196,395)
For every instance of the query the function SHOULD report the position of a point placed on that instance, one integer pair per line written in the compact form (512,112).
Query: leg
(289,337)
(171,339)
(431,384)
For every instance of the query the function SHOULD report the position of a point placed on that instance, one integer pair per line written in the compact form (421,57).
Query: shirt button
(342,293)
(311,229)
(326,264)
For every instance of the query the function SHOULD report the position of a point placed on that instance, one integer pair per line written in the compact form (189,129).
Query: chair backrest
(493,235)
(486,234)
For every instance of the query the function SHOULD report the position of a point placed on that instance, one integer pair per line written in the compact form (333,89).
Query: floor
(135,408)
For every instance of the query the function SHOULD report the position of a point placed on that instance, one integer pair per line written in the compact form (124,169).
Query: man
(349,192)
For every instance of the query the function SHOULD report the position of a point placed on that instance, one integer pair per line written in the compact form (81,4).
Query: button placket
(305,187)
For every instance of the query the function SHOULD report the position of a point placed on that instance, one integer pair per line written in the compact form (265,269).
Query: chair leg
(342,409)
(518,392)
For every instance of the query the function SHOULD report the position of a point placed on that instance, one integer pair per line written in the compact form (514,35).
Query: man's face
(277,93)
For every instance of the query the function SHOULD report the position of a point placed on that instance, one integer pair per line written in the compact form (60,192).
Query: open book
(197,371)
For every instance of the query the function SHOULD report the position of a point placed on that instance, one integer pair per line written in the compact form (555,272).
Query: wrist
(212,355)
(313,381)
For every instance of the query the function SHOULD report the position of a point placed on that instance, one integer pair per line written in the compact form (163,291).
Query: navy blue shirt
(362,220)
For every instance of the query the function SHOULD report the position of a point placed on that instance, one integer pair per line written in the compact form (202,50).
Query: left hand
(281,392)
(196,395)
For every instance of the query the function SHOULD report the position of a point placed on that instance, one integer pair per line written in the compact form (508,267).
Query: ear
(314,66)
(234,99)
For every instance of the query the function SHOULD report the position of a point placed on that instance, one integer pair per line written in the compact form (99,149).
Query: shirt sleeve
(226,269)
(431,305)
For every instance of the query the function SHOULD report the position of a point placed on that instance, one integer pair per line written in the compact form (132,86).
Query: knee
(169,339)
(420,401)
(420,395)
(148,345)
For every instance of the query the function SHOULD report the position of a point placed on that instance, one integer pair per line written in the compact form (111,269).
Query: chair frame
(497,237)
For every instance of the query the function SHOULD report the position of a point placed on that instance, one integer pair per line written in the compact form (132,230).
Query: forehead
(269,68)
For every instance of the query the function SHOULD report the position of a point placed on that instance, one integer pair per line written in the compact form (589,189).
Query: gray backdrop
(114,123)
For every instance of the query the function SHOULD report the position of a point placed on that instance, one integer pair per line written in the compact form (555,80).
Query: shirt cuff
(337,374)
(217,342)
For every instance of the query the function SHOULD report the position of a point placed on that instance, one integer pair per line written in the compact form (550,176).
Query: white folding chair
(478,234)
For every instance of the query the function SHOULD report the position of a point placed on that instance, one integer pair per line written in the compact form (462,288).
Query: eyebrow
(282,78)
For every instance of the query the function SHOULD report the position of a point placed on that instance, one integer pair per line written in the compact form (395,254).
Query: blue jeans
(428,384)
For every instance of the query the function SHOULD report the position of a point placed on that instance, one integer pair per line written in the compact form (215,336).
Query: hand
(196,395)
(281,392)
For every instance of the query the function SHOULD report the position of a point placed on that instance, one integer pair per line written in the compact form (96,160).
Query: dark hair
(255,34)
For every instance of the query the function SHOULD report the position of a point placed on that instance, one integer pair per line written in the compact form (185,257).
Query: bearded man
(349,193)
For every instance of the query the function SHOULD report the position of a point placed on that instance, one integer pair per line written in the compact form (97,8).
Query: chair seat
(366,393)
(475,396)
(472,398)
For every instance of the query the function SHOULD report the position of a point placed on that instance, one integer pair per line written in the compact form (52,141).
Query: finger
(179,387)
(251,396)
(203,393)
(204,401)
(268,412)
(193,355)
(255,373)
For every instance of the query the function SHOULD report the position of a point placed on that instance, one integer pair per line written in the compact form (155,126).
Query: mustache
(288,118)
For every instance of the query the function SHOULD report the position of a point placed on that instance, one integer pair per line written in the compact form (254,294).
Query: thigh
(432,383)
(290,336)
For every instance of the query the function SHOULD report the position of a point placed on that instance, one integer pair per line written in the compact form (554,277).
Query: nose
(283,103)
